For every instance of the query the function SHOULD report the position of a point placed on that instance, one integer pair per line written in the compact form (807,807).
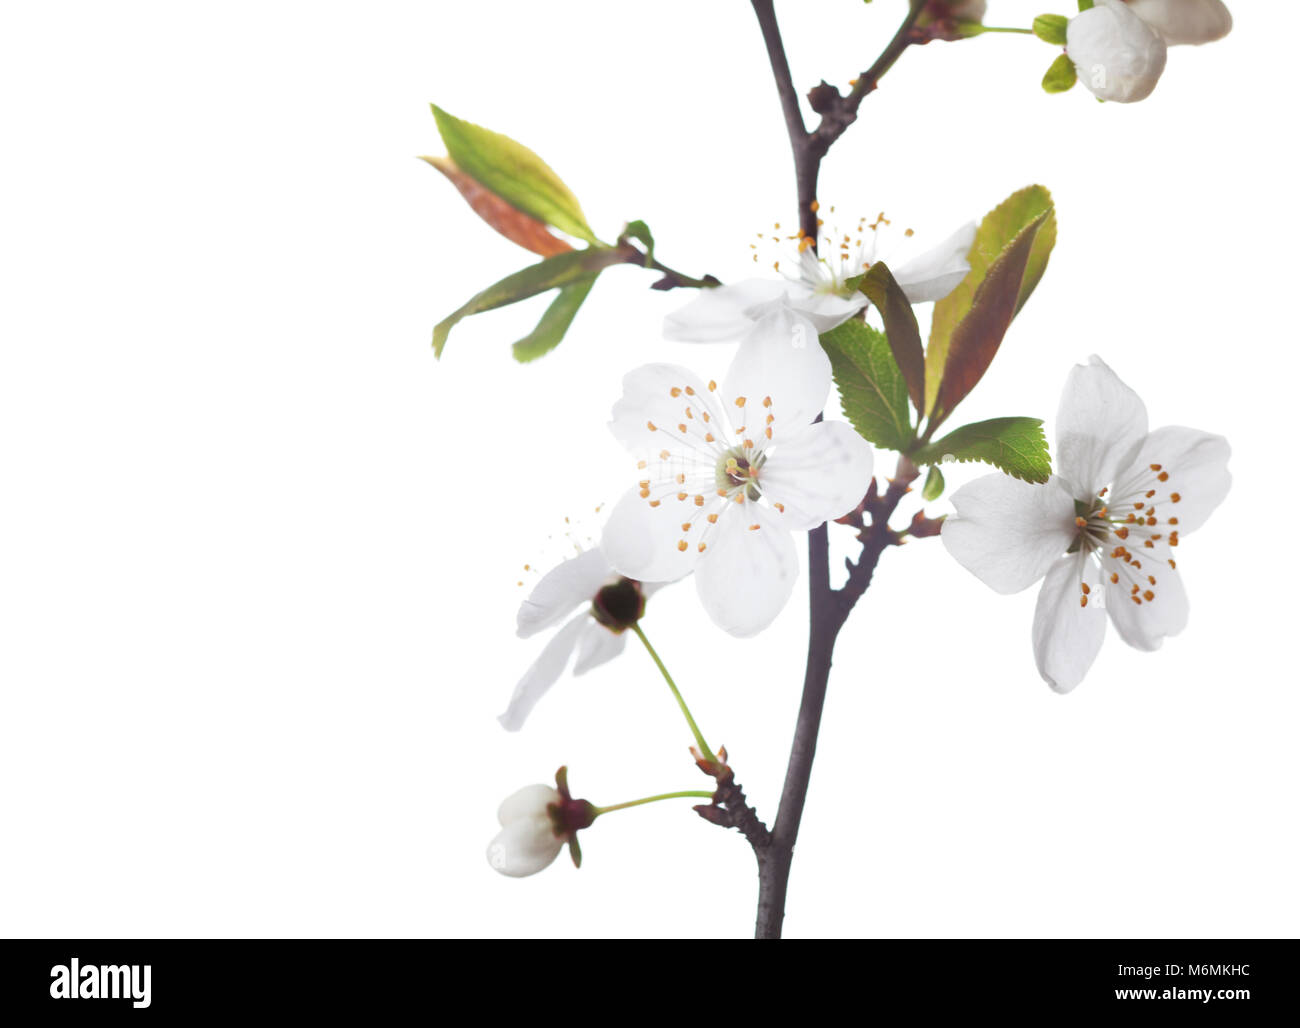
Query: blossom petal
(523,848)
(1007,532)
(721,314)
(1197,465)
(748,573)
(597,645)
(529,802)
(568,584)
(1185,21)
(1067,632)
(1117,55)
(641,541)
(780,358)
(1099,426)
(544,673)
(937,272)
(1144,626)
(828,310)
(819,474)
(648,400)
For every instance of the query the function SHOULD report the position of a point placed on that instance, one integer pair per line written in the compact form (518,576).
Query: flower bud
(1185,21)
(536,823)
(1117,55)
(951,20)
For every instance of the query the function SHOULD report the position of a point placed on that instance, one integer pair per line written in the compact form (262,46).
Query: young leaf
(901,329)
(997,231)
(513,172)
(1015,445)
(640,231)
(555,322)
(520,228)
(872,390)
(1061,75)
(554,272)
(933,488)
(978,335)
(1050,28)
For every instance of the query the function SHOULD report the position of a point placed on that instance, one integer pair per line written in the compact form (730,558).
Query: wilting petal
(721,314)
(1144,625)
(568,584)
(819,474)
(1007,532)
(1117,55)
(750,571)
(543,674)
(640,541)
(1197,465)
(597,645)
(1068,633)
(1099,426)
(648,400)
(937,272)
(780,358)
(827,310)
(1185,21)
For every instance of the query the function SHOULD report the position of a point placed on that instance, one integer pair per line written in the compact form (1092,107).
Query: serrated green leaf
(934,484)
(901,330)
(872,389)
(1050,28)
(555,322)
(1014,445)
(552,273)
(978,335)
(1061,76)
(513,172)
(997,231)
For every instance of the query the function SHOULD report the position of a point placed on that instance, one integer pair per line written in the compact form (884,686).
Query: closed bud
(536,823)
(1117,55)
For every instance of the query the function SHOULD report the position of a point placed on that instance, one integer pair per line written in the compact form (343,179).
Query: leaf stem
(686,711)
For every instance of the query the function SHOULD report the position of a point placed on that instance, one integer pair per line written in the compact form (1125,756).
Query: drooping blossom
(728,472)
(536,823)
(1102,533)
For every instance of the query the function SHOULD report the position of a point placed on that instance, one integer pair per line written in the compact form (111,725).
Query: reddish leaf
(514,224)
(901,329)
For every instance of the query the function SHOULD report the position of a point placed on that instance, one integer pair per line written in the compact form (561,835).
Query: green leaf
(901,329)
(933,488)
(1050,28)
(513,172)
(997,231)
(978,335)
(555,322)
(1015,445)
(1061,75)
(640,231)
(1085,5)
(552,273)
(872,389)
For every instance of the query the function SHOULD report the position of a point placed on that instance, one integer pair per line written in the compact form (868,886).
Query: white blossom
(528,841)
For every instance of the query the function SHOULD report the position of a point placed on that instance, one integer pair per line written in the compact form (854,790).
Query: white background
(260,550)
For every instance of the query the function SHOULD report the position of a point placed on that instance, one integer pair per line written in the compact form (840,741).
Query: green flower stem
(686,711)
(980,30)
(692,793)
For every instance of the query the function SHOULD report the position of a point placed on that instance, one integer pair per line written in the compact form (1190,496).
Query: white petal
(1197,465)
(828,310)
(1185,21)
(527,803)
(1099,426)
(747,575)
(648,400)
(1007,532)
(597,645)
(523,848)
(1144,626)
(1067,633)
(780,358)
(1117,55)
(819,474)
(544,673)
(937,272)
(641,541)
(567,585)
(722,314)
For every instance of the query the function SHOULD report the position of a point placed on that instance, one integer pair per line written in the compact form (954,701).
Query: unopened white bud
(527,842)
(1118,56)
